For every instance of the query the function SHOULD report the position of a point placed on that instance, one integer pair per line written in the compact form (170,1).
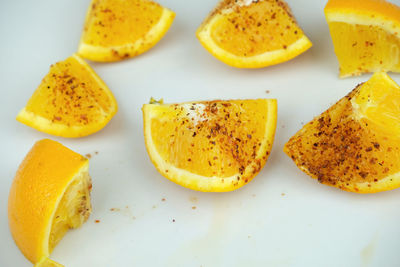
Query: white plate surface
(282,218)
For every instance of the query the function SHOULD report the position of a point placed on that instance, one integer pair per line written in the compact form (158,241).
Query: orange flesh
(69,95)
(216,138)
(367,48)
(115,22)
(354,141)
(258,28)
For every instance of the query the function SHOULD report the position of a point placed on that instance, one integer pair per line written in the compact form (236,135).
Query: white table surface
(281,218)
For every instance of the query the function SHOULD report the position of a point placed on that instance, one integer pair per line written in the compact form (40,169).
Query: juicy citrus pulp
(49,195)
(71,101)
(211,146)
(365,34)
(252,34)
(118,29)
(354,145)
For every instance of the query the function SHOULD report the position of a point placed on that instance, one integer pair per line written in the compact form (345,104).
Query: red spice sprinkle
(97,221)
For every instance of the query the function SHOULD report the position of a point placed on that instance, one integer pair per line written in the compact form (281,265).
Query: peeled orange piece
(71,101)
(119,29)
(366,35)
(252,34)
(210,146)
(355,144)
(49,195)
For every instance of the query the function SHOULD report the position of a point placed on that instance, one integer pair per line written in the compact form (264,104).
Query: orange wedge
(210,146)
(119,29)
(355,144)
(71,101)
(366,35)
(252,34)
(49,195)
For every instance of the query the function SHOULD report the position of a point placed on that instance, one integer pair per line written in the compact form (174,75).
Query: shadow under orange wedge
(366,35)
(120,29)
(49,195)
(252,34)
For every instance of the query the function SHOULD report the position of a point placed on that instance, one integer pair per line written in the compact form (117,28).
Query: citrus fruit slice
(355,144)
(210,146)
(71,101)
(49,195)
(46,262)
(119,29)
(365,34)
(252,34)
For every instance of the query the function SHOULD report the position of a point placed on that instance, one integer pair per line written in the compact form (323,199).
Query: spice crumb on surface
(268,91)
(194,207)
(114,209)
(283,194)
(97,221)
(88,155)
(163,199)
(173,220)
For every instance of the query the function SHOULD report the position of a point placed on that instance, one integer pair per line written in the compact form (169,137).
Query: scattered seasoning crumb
(154,206)
(283,126)
(193,199)
(96,152)
(173,220)
(114,209)
(283,194)
(163,199)
(268,91)
(88,155)
(194,207)
(97,221)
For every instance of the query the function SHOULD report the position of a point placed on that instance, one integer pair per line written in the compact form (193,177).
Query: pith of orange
(119,29)
(210,146)
(49,195)
(354,145)
(71,101)
(252,34)
(365,34)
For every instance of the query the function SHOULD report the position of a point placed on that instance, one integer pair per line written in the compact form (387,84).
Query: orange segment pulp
(365,34)
(252,34)
(119,29)
(71,101)
(211,146)
(49,195)
(354,145)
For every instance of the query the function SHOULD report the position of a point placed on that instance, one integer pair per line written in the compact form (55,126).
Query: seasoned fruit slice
(119,29)
(211,146)
(354,145)
(252,34)
(366,35)
(71,101)
(49,195)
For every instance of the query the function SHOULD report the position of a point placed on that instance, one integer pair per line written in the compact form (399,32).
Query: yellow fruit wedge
(365,34)
(49,195)
(210,146)
(46,262)
(252,34)
(71,101)
(355,144)
(119,29)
